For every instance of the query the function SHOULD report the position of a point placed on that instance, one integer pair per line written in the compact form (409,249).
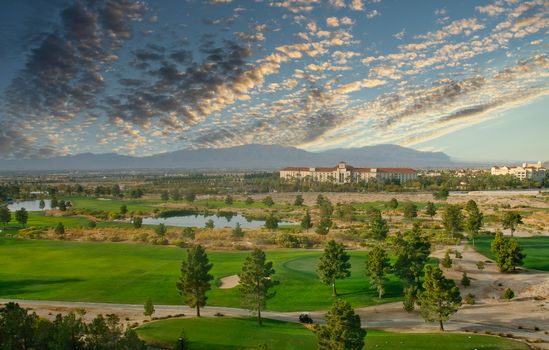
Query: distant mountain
(252,156)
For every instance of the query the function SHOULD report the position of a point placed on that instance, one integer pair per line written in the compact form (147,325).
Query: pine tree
(511,220)
(148,308)
(60,229)
(195,278)
(298,200)
(377,226)
(271,223)
(439,298)
(5,216)
(507,251)
(452,219)
(256,282)
(474,219)
(306,222)
(342,330)
(410,210)
(377,266)
(22,216)
(446,261)
(333,265)
(431,209)
(237,231)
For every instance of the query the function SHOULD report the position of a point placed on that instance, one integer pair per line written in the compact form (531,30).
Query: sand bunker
(229,282)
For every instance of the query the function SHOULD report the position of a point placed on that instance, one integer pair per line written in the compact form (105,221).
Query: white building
(344,173)
(529,171)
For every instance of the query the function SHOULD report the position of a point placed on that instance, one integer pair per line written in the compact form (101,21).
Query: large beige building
(343,173)
(533,171)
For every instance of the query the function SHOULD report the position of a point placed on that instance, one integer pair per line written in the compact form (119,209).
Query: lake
(33,205)
(200,220)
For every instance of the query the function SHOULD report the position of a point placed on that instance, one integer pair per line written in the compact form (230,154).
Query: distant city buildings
(343,173)
(528,171)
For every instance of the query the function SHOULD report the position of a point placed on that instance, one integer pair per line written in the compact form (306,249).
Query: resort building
(343,173)
(533,171)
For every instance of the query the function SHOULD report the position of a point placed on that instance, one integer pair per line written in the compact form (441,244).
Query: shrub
(305,318)
(469,299)
(465,280)
(480,265)
(508,294)
(446,261)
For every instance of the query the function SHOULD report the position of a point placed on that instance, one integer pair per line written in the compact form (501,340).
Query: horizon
(141,78)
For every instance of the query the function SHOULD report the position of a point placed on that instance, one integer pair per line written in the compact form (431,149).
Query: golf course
(131,273)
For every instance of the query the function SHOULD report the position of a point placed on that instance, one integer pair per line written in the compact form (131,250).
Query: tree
(62,205)
(377,226)
(123,209)
(92,224)
(410,210)
(474,219)
(391,205)
(377,266)
(148,308)
(22,216)
(412,250)
(511,220)
(507,251)
(439,298)
(5,216)
(137,222)
(343,330)
(60,229)
(210,224)
(333,265)
(268,201)
(54,202)
(306,222)
(42,204)
(271,223)
(324,225)
(237,231)
(431,209)
(256,282)
(176,195)
(229,200)
(299,200)
(190,197)
(165,196)
(446,261)
(441,194)
(195,278)
(161,230)
(452,219)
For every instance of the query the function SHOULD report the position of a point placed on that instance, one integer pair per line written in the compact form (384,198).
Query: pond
(33,205)
(200,220)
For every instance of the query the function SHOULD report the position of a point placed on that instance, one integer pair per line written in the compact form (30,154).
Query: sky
(466,77)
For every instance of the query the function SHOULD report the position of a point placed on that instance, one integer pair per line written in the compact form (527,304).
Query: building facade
(343,173)
(528,171)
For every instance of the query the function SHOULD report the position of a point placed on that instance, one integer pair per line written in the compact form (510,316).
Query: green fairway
(535,248)
(130,273)
(244,333)
(113,205)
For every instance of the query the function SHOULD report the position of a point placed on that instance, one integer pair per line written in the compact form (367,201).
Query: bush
(465,280)
(458,254)
(480,265)
(305,318)
(469,299)
(446,261)
(508,294)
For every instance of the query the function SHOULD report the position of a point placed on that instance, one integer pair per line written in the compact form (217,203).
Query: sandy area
(229,282)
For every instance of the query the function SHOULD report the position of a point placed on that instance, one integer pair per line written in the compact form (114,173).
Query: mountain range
(247,157)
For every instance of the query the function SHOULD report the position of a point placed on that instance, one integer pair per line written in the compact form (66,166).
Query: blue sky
(469,78)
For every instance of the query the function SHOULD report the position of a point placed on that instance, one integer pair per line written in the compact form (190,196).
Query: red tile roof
(350,168)
(396,170)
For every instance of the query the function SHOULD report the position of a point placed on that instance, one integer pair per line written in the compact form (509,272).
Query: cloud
(490,10)
(332,22)
(357,5)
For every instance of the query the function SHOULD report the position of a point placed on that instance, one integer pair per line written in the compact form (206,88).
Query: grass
(535,248)
(130,273)
(244,333)
(113,205)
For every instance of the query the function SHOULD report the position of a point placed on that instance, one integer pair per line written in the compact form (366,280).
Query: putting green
(130,273)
